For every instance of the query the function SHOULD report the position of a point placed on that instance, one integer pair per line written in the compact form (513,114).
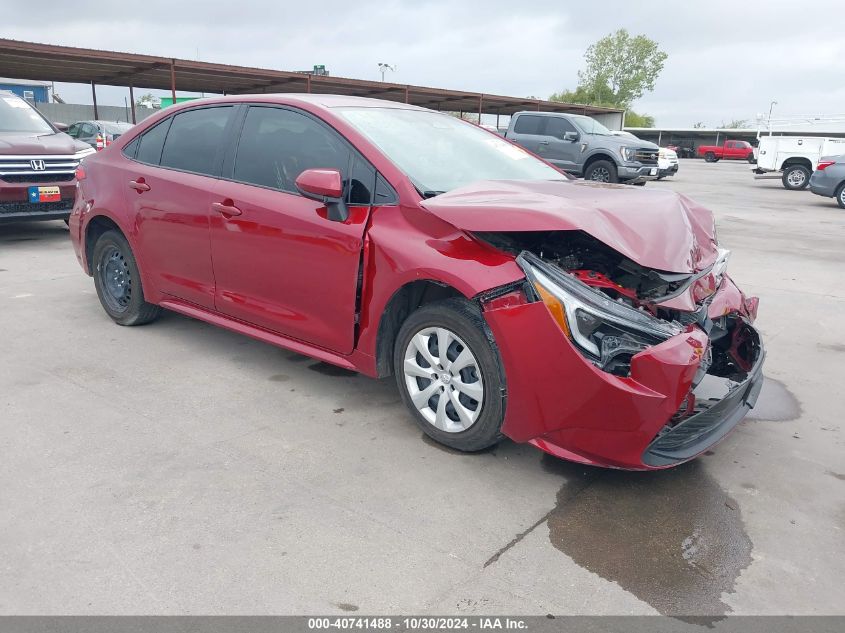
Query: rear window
(195,140)
(528,124)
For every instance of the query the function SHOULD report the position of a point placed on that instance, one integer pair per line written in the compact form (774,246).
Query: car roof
(319,100)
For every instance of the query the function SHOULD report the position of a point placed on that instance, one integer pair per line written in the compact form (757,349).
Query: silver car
(829,178)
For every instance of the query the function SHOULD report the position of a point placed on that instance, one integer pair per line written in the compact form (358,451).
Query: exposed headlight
(628,153)
(608,332)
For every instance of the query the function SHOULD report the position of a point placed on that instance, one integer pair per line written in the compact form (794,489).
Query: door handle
(227,207)
(139,185)
(544,142)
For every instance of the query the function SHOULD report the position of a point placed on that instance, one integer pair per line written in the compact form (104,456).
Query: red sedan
(596,322)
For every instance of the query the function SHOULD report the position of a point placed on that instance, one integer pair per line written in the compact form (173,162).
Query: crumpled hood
(44,144)
(655,228)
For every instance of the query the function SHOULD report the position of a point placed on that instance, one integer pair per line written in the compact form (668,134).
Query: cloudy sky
(727,59)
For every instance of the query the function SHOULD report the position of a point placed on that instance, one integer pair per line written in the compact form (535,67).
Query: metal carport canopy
(30,60)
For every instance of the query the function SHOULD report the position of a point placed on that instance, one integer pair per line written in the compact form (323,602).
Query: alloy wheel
(444,379)
(600,174)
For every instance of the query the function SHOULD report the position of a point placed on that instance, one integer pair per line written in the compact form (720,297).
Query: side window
(362,182)
(73,130)
(130,149)
(277,145)
(557,127)
(384,192)
(195,140)
(149,151)
(528,124)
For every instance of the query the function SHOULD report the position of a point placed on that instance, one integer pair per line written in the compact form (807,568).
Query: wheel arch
(94,228)
(797,160)
(402,303)
(599,155)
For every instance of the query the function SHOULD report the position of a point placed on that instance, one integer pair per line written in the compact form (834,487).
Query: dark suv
(37,164)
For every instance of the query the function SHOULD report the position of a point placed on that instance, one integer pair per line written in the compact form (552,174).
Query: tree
(698,125)
(148,100)
(735,124)
(620,68)
(632,119)
(580,95)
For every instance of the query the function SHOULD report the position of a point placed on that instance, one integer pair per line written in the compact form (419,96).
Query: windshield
(439,152)
(589,125)
(16,115)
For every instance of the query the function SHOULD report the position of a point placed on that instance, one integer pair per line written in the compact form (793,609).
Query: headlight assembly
(607,332)
(628,154)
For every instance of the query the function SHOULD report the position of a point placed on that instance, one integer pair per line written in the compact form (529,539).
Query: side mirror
(326,186)
(570,136)
(61,127)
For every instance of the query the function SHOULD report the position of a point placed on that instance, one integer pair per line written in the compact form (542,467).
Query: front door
(559,150)
(279,262)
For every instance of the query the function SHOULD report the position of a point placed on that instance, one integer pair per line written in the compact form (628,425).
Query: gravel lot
(180,469)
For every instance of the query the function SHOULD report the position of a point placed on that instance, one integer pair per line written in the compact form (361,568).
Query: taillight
(99,142)
(109,139)
(824,164)
(80,173)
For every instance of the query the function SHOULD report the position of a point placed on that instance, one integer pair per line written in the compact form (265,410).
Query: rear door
(555,148)
(279,262)
(168,189)
(527,131)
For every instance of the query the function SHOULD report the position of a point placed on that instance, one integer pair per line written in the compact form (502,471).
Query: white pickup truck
(793,159)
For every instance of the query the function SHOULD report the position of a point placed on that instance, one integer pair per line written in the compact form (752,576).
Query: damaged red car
(596,322)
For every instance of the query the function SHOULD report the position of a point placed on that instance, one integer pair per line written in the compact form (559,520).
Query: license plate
(44,194)
(653,172)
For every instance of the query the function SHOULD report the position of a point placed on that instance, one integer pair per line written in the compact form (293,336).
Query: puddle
(673,538)
(328,369)
(775,403)
(833,347)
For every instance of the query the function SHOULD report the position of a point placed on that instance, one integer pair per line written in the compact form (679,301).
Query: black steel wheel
(118,281)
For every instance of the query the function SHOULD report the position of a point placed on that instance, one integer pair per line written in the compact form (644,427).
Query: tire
(602,171)
(840,195)
(750,158)
(118,281)
(709,157)
(641,183)
(796,177)
(477,424)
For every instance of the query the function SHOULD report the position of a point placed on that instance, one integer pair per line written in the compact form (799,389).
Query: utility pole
(771,105)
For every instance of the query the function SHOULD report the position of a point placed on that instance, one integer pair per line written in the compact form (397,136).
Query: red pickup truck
(739,150)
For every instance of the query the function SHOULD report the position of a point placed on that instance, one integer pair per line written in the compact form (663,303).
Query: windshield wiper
(431,194)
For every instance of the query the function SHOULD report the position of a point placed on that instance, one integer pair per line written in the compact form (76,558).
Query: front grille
(37,177)
(35,207)
(647,156)
(37,166)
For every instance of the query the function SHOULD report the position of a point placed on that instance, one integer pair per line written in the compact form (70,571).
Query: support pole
(497,119)
(94,95)
(538,105)
(173,79)
(406,95)
(132,101)
(480,107)
(308,84)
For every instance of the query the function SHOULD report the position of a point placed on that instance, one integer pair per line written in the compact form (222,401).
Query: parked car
(794,158)
(507,298)
(667,163)
(582,146)
(729,150)
(37,164)
(829,179)
(98,134)
(683,151)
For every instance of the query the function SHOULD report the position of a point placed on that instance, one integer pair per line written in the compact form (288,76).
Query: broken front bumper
(568,407)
